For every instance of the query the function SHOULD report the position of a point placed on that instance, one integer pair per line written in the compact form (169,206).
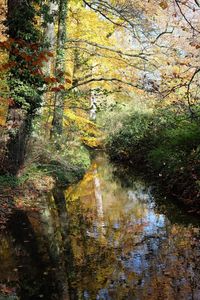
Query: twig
(186,19)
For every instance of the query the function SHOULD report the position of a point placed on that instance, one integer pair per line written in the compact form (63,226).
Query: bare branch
(104,15)
(161,34)
(186,19)
(98,6)
(105,80)
(140,55)
(188,90)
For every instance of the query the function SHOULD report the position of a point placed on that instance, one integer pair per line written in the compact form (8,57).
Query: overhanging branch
(102,79)
(117,58)
(140,55)
(104,15)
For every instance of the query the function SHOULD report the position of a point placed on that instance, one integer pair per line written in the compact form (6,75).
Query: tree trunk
(18,124)
(57,123)
(50,35)
(13,146)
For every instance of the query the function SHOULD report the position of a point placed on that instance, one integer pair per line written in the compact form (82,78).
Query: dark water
(106,238)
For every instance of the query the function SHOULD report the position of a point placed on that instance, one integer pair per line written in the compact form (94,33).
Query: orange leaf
(61,87)
(50,54)
(68,80)
(34,46)
(11,102)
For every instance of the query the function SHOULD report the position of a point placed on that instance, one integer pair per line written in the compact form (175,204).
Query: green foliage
(164,144)
(44,12)
(24,94)
(174,146)
(8,181)
(187,133)
(25,48)
(22,24)
(66,163)
(126,140)
(69,168)
(31,172)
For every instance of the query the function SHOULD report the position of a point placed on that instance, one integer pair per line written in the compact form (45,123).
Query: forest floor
(22,197)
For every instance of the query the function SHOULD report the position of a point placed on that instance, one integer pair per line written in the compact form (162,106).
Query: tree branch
(121,59)
(105,80)
(186,19)
(104,15)
(188,90)
(140,55)
(161,34)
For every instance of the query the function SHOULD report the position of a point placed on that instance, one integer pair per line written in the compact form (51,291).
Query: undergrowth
(163,145)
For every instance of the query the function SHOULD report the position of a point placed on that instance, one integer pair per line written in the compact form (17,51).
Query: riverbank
(163,149)
(43,170)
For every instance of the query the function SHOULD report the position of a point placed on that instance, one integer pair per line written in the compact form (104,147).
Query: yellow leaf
(163,4)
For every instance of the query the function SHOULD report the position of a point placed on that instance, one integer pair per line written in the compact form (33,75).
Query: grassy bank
(45,167)
(165,146)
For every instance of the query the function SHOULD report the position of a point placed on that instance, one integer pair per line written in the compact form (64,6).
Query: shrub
(166,146)
(124,142)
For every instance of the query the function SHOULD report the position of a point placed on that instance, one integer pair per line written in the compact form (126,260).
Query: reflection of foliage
(119,260)
(96,255)
(180,247)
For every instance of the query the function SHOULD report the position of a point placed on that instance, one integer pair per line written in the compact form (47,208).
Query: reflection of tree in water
(110,243)
(139,254)
(33,281)
(34,248)
(175,270)
(97,251)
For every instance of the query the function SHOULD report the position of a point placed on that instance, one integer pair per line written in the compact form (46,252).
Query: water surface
(105,238)
(127,246)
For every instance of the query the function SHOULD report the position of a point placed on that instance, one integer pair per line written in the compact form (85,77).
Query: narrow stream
(106,239)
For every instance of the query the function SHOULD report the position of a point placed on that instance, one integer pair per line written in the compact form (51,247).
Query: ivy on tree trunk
(57,123)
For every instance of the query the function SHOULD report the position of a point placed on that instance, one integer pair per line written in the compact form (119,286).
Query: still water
(105,238)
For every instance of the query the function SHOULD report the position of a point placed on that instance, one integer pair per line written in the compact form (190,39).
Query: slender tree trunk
(50,35)
(57,123)
(93,105)
(50,39)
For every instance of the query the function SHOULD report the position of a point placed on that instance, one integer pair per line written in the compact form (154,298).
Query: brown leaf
(163,4)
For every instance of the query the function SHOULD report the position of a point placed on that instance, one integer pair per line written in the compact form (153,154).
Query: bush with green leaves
(174,146)
(25,95)
(125,141)
(165,145)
